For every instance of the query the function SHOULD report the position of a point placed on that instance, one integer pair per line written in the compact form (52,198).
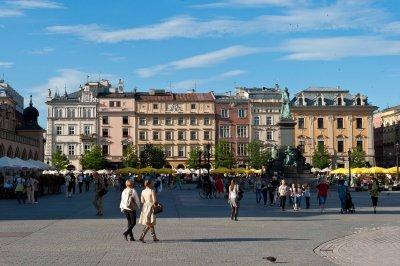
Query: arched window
(16,155)
(30,155)
(23,157)
(1,150)
(339,101)
(36,156)
(301,101)
(358,101)
(10,152)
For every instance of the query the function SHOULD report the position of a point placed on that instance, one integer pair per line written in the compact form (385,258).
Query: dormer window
(320,101)
(358,101)
(301,101)
(340,101)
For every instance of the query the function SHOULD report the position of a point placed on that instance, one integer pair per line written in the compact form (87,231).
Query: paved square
(61,231)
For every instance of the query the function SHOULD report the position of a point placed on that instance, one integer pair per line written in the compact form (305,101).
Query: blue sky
(215,44)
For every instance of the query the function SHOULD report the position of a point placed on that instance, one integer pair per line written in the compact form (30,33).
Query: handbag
(157,208)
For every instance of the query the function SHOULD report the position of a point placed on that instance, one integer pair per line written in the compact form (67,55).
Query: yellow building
(336,119)
(177,122)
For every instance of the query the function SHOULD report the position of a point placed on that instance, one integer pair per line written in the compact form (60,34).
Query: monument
(286,123)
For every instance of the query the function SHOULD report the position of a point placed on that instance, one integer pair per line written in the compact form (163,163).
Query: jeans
(87,183)
(322,200)
(342,202)
(80,184)
(271,194)
(131,218)
(307,202)
(258,195)
(283,202)
(20,196)
(265,196)
(35,195)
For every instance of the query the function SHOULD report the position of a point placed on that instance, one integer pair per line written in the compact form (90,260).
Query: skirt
(147,216)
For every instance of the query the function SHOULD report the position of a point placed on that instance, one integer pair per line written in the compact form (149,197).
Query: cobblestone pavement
(61,231)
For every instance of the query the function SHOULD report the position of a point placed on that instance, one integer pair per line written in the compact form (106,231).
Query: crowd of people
(24,185)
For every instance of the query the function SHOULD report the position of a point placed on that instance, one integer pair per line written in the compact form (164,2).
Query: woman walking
(283,191)
(342,192)
(374,192)
(307,195)
(129,204)
(147,216)
(234,199)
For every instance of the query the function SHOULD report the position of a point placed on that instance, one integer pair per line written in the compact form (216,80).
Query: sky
(210,45)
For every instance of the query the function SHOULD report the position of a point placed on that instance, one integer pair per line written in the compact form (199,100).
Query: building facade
(334,118)
(20,134)
(233,124)
(72,121)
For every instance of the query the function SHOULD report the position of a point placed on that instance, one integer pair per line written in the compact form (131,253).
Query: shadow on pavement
(245,239)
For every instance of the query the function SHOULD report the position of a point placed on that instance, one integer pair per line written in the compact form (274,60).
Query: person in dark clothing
(264,191)
(87,180)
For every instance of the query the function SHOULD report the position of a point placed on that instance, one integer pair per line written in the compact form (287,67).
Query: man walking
(80,182)
(101,190)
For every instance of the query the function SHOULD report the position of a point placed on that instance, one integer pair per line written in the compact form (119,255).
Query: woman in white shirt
(129,204)
(147,216)
(283,191)
(234,199)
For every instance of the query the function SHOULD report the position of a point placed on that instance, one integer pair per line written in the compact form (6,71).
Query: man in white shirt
(129,205)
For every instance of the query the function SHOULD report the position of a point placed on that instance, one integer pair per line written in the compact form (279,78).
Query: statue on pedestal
(285,110)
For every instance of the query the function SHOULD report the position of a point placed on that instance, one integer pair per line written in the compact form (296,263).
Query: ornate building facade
(20,134)
(334,118)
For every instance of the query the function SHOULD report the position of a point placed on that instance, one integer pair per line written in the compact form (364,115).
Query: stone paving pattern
(61,231)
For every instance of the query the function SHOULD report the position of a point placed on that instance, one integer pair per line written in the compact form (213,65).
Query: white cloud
(339,47)
(202,60)
(42,51)
(249,3)
(34,4)
(192,83)
(6,64)
(391,28)
(5,13)
(114,57)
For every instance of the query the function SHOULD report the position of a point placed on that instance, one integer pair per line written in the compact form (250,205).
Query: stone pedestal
(286,130)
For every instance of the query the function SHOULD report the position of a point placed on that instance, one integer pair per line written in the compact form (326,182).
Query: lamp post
(208,155)
(349,155)
(397,160)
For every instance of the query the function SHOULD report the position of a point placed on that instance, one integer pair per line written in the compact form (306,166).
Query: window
(104,148)
(168,121)
(124,148)
(125,132)
(320,122)
(168,135)
(115,104)
(241,149)
(319,101)
(224,113)
(105,132)
(193,106)
(181,121)
(270,135)
(70,112)
(181,151)
(268,120)
(142,135)
(155,120)
(224,131)
(125,120)
(358,101)
(339,121)
(87,112)
(71,150)
(71,130)
(300,122)
(207,120)
(360,144)
(256,120)
(59,148)
(59,130)
(58,112)
(142,121)
(105,120)
(207,135)
(340,146)
(181,135)
(86,147)
(301,102)
(193,135)
(359,123)
(302,146)
(156,135)
(242,131)
(86,130)
(320,144)
(168,151)
(155,106)
(193,120)
(339,101)
(242,113)
(257,135)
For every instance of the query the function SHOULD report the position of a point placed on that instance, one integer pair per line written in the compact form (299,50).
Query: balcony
(88,137)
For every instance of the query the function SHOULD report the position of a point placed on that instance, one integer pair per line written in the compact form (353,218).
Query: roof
(178,97)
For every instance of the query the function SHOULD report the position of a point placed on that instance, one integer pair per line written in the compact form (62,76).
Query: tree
(129,157)
(94,158)
(152,156)
(257,155)
(194,159)
(223,155)
(321,157)
(358,158)
(59,160)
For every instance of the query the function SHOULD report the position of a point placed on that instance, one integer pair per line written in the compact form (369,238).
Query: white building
(72,123)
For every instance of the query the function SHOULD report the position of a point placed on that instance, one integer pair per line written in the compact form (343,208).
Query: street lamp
(397,145)
(208,155)
(349,155)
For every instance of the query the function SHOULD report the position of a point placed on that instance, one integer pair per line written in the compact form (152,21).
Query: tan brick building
(336,119)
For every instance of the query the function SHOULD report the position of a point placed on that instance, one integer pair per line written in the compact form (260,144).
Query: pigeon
(270,258)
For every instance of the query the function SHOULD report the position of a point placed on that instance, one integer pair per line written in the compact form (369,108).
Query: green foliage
(321,158)
(358,158)
(129,157)
(257,155)
(223,155)
(59,161)
(194,159)
(94,159)
(152,156)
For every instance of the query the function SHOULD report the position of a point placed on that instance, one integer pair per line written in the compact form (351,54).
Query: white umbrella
(7,162)
(187,171)
(76,172)
(103,172)
(64,172)
(325,170)
(179,171)
(314,170)
(26,164)
(39,164)
(88,172)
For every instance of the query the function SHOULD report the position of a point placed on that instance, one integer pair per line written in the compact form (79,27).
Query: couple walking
(130,204)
